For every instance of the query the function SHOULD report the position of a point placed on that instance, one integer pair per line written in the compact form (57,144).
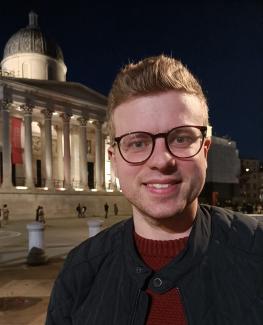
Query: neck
(170,228)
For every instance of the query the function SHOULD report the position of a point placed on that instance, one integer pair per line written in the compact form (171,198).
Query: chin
(161,212)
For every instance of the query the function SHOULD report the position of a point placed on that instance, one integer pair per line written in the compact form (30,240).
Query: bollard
(36,245)
(94,225)
(35,235)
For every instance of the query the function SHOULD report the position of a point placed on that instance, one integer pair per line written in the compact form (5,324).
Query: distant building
(251,181)
(51,129)
(222,179)
(53,141)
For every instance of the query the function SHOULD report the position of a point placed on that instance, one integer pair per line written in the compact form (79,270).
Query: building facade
(52,131)
(222,179)
(251,181)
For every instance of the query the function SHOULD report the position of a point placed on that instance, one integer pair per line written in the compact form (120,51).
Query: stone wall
(61,204)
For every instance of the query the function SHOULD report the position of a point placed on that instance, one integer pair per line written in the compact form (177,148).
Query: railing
(41,183)
(58,183)
(6,73)
(76,184)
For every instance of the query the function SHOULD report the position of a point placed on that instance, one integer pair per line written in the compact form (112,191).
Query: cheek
(126,174)
(196,170)
(200,169)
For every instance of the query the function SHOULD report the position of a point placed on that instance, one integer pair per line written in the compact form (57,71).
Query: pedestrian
(78,209)
(115,208)
(83,211)
(41,215)
(5,212)
(37,213)
(106,209)
(175,261)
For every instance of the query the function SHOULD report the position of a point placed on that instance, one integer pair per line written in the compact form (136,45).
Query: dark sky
(220,41)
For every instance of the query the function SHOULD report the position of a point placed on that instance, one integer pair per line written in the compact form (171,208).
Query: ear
(112,158)
(207,144)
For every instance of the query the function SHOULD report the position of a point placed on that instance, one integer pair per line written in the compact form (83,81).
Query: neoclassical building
(52,131)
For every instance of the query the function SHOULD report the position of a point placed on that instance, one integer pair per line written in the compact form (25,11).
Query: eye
(136,142)
(183,139)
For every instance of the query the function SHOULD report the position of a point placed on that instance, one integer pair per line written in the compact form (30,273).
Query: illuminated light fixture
(209,131)
(90,121)
(78,189)
(94,190)
(61,188)
(21,187)
(109,190)
(247,169)
(19,109)
(55,113)
(45,188)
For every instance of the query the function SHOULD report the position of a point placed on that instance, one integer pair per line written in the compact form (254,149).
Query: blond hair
(150,76)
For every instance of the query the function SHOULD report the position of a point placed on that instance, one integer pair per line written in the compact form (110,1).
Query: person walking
(41,215)
(37,213)
(5,212)
(106,209)
(115,208)
(83,211)
(78,209)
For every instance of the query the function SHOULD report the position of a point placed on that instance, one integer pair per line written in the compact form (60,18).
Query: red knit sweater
(167,308)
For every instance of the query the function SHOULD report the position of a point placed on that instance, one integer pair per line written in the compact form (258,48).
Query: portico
(52,131)
(60,139)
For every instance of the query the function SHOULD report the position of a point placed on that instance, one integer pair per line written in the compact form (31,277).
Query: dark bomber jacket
(219,275)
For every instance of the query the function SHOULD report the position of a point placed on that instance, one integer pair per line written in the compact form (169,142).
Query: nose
(161,158)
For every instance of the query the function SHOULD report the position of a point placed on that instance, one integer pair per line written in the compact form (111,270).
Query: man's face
(181,179)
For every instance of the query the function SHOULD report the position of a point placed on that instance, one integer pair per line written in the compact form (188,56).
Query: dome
(32,40)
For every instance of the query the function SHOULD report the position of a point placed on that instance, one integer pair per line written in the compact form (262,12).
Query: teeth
(158,185)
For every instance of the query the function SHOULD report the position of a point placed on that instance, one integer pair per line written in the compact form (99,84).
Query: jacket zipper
(182,302)
(135,307)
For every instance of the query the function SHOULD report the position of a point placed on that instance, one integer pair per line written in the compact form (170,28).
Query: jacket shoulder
(238,230)
(97,246)
(82,264)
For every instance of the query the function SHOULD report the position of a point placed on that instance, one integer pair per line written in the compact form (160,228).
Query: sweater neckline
(159,248)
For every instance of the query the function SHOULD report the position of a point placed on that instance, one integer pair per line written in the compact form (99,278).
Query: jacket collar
(192,255)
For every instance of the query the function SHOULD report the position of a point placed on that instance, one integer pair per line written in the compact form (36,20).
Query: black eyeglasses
(182,142)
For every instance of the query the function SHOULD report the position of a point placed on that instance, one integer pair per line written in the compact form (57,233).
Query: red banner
(16,141)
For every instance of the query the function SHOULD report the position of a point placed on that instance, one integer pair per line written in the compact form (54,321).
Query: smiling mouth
(158,186)
(162,188)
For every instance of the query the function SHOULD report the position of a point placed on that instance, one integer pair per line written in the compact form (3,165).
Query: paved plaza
(25,290)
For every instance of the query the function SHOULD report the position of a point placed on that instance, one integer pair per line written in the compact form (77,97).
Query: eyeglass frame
(164,135)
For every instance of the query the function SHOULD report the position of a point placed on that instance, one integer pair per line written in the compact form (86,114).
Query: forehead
(158,113)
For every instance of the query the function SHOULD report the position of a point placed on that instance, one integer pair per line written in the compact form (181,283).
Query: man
(174,262)
(106,209)
(78,209)
(5,211)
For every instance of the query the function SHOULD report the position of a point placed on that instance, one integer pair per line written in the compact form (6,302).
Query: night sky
(220,41)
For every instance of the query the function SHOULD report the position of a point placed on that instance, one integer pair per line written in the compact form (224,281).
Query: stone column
(103,162)
(60,164)
(48,149)
(6,149)
(43,145)
(67,164)
(28,109)
(98,156)
(83,153)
